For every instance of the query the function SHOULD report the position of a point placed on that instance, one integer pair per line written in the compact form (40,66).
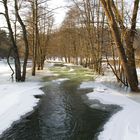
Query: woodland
(93,33)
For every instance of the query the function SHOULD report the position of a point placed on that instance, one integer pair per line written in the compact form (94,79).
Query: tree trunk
(14,46)
(130,40)
(129,73)
(25,42)
(130,52)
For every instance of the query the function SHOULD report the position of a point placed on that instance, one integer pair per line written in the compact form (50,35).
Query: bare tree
(20,75)
(25,41)
(127,55)
(14,45)
(40,22)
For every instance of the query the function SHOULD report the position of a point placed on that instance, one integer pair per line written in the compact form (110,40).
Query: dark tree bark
(14,46)
(115,30)
(35,32)
(130,36)
(25,42)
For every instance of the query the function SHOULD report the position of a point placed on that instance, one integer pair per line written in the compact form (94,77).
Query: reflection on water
(61,115)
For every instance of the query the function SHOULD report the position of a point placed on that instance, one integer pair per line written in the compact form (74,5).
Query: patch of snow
(60,80)
(56,59)
(123,125)
(138,71)
(17,99)
(71,70)
(69,64)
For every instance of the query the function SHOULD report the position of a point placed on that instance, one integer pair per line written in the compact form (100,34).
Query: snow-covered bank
(17,99)
(125,124)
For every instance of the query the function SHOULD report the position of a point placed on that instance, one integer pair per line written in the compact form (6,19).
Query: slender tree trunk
(117,38)
(34,38)
(25,42)
(14,46)
(130,40)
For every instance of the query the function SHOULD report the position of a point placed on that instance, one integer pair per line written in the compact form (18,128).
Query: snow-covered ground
(123,125)
(17,99)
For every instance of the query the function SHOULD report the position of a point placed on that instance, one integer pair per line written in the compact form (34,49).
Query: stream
(61,115)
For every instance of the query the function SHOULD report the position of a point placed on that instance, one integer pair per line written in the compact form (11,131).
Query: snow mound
(123,125)
(16,100)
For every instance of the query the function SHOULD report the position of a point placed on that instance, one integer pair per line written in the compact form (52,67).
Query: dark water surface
(61,115)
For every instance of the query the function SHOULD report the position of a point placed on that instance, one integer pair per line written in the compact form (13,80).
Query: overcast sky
(57,5)
(60,12)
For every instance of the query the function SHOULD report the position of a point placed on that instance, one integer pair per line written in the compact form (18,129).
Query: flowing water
(60,115)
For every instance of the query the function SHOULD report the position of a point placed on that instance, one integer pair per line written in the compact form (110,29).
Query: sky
(59,11)
(2,19)
(59,7)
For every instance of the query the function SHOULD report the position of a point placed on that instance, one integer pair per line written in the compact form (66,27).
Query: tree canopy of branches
(95,30)
(39,24)
(29,35)
(14,47)
(117,27)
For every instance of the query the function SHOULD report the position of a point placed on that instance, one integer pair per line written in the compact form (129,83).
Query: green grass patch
(77,74)
(49,78)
